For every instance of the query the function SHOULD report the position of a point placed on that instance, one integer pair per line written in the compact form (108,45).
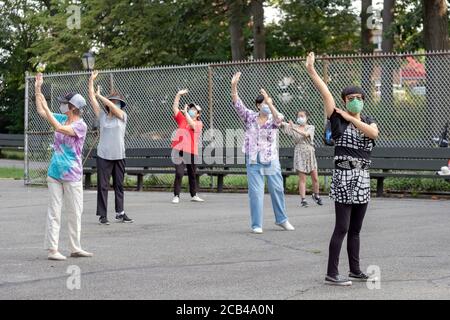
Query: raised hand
(39,80)
(264,94)
(182,92)
(310,59)
(236,78)
(94,75)
(344,114)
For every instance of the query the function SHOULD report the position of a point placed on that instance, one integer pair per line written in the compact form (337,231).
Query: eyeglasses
(354,97)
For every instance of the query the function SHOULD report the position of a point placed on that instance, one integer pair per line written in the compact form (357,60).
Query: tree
(314,25)
(236,14)
(435,24)
(437,70)
(388,23)
(387,44)
(366,32)
(259,35)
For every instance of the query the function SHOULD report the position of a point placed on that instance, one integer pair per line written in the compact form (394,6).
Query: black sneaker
(317,199)
(304,204)
(361,277)
(123,218)
(337,281)
(103,221)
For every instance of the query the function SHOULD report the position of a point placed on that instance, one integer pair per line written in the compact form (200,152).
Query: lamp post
(88,60)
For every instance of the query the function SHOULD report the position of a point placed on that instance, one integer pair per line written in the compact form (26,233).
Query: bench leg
(140,182)
(87,181)
(219,183)
(380,183)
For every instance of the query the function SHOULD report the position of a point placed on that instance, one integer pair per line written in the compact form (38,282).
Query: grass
(11,173)
(12,154)
(415,186)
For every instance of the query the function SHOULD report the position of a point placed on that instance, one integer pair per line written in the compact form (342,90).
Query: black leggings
(349,219)
(191,171)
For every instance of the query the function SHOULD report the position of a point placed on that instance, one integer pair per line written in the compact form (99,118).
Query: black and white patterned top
(350,183)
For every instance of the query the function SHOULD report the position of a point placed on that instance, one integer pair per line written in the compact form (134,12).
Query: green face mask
(355,106)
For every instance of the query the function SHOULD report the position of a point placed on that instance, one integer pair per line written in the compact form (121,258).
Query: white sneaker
(56,256)
(81,254)
(286,226)
(257,230)
(196,198)
(176,199)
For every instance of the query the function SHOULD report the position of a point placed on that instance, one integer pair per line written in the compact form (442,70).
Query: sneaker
(257,230)
(81,254)
(196,198)
(123,218)
(304,204)
(176,199)
(56,256)
(317,199)
(286,226)
(361,277)
(103,221)
(337,281)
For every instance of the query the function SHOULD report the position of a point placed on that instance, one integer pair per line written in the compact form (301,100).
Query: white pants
(71,195)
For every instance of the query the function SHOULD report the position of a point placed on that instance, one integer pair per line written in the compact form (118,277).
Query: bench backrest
(382,158)
(12,140)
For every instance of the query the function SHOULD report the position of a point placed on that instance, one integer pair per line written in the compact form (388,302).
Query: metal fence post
(326,79)
(25,162)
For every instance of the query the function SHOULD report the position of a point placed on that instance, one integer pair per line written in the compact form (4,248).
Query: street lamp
(88,61)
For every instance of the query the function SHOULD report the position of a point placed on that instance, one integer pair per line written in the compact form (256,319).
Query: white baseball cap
(74,99)
(445,171)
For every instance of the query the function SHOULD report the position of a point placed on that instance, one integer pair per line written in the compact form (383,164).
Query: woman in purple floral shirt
(261,150)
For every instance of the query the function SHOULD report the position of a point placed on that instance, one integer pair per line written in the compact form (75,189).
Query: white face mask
(301,120)
(64,107)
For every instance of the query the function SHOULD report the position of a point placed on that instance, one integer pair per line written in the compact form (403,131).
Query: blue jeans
(255,176)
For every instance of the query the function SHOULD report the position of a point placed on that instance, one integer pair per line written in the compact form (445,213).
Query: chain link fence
(407,94)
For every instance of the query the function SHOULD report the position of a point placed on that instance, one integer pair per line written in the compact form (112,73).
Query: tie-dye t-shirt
(66,164)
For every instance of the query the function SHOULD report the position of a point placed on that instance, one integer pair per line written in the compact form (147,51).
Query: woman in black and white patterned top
(354,136)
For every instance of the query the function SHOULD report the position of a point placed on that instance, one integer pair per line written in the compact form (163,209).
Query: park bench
(11,141)
(386,162)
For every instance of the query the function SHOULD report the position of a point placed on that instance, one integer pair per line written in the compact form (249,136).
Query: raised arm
(268,100)
(242,111)
(234,90)
(40,99)
(112,107)
(189,120)
(92,97)
(370,130)
(320,85)
(176,101)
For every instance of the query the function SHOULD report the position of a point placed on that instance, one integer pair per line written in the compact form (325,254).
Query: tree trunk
(387,45)
(259,34)
(435,24)
(366,47)
(388,18)
(236,33)
(366,33)
(437,70)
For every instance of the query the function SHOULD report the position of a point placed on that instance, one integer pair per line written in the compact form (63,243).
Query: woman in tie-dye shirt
(65,171)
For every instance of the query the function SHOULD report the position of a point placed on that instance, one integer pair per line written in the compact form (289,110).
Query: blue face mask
(192,113)
(265,109)
(301,120)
